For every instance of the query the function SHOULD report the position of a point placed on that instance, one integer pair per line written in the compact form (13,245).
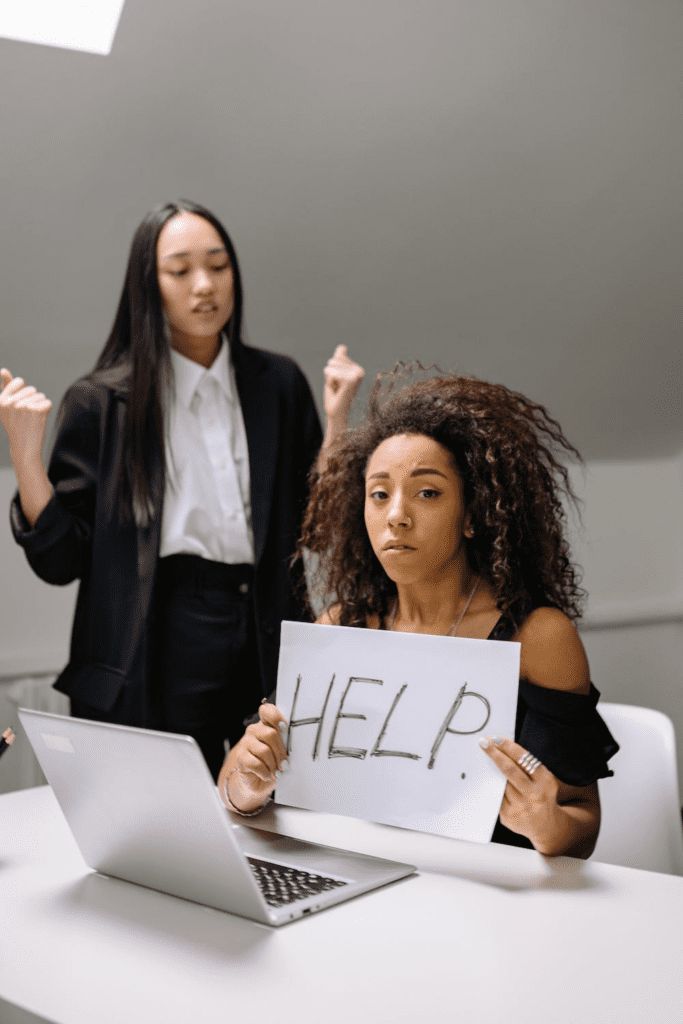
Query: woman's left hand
(530,806)
(342,380)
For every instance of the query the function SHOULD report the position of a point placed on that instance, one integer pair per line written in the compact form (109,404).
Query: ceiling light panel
(87,25)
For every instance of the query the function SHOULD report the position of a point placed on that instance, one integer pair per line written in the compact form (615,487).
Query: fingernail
(283,729)
(498,740)
(484,743)
(284,765)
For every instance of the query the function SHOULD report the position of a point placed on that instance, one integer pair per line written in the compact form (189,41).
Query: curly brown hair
(506,449)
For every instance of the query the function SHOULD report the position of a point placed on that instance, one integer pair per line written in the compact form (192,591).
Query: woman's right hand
(23,413)
(253,765)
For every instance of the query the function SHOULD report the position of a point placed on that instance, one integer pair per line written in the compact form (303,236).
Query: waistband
(176,571)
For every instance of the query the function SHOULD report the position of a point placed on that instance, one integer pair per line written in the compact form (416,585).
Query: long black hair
(137,355)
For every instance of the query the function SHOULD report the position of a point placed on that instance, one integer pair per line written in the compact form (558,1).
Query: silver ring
(529,763)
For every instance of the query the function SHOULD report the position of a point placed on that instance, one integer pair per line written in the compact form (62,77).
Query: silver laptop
(143,807)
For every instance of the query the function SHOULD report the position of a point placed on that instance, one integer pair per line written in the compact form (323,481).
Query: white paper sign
(385,726)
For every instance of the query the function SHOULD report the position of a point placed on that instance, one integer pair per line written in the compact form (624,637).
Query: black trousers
(203,667)
(203,675)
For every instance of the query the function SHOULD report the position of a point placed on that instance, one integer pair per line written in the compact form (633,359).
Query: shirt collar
(188,375)
(221,370)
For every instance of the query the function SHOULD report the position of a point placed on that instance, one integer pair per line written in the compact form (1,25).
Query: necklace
(454,628)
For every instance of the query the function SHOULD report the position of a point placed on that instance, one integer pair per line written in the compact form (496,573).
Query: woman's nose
(397,514)
(202,283)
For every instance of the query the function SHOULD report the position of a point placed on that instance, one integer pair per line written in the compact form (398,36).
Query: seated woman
(443,515)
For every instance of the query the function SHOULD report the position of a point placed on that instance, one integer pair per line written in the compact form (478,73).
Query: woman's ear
(468,529)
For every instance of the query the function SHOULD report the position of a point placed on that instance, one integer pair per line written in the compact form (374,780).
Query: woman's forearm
(334,430)
(342,380)
(23,413)
(35,489)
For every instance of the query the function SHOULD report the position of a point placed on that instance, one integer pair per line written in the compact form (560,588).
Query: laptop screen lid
(143,807)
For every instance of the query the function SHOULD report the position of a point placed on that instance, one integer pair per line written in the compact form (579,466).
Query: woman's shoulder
(112,380)
(99,387)
(546,623)
(83,414)
(283,372)
(552,653)
(253,359)
(85,398)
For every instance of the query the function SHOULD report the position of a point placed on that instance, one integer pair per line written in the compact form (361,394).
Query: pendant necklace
(454,628)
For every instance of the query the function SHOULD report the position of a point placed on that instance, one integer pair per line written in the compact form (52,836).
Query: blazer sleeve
(59,546)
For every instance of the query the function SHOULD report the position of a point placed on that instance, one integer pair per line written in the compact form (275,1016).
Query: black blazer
(77,535)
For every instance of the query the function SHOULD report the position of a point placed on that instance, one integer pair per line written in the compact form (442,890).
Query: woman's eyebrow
(428,472)
(185,253)
(415,472)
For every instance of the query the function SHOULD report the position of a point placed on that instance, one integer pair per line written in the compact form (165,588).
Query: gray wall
(489,184)
(482,183)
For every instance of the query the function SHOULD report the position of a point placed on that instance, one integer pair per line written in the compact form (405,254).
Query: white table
(482,934)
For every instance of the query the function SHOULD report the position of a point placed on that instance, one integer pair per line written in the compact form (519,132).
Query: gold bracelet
(230,804)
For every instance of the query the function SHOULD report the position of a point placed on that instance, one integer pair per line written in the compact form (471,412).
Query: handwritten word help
(378,750)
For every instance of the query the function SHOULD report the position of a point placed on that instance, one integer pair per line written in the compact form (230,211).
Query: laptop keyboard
(281,885)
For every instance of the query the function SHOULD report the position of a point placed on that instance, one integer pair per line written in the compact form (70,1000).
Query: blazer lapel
(259,400)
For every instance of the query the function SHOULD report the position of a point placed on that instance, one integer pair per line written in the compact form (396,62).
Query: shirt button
(244,588)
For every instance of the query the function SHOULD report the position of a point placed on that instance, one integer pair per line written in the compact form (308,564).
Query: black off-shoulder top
(563,730)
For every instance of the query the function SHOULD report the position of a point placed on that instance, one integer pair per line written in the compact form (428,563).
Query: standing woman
(175,492)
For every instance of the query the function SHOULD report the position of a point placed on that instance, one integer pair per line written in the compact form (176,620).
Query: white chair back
(641,810)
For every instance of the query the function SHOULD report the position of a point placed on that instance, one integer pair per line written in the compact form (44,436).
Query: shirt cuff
(52,524)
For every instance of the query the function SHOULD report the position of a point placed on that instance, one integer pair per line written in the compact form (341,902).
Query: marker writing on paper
(334,750)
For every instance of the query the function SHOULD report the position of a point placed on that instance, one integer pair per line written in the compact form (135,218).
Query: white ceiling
(476,183)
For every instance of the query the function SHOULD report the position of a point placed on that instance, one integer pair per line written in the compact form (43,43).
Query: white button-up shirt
(207,507)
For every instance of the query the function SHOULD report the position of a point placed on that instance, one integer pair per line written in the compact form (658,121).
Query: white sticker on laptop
(55,742)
